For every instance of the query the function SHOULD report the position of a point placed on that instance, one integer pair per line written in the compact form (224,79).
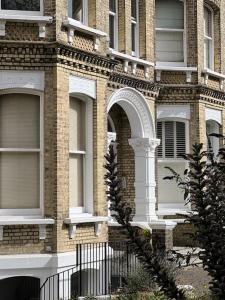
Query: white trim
(178,64)
(80,85)
(131,59)
(35,211)
(33,80)
(173,111)
(209,72)
(73,25)
(213,114)
(188,70)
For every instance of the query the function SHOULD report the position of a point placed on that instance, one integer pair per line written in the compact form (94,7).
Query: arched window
(21,153)
(174,142)
(208,38)
(170,32)
(80,156)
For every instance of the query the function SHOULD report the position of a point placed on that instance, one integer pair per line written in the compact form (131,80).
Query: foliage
(204,188)
(153,260)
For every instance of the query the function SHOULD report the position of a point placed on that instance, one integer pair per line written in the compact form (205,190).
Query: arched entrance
(20,288)
(143,141)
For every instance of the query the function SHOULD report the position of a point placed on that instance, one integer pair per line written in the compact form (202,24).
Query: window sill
(73,25)
(12,221)
(40,20)
(157,224)
(131,59)
(209,72)
(79,219)
(187,70)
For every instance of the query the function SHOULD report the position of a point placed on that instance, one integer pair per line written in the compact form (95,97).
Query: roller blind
(19,121)
(77,124)
(19,167)
(169,14)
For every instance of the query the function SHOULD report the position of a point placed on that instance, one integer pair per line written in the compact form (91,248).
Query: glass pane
(207,22)
(19,121)
(169,46)
(134,9)
(207,54)
(27,5)
(169,14)
(133,32)
(78,10)
(19,180)
(77,124)
(76,180)
(112,5)
(111,31)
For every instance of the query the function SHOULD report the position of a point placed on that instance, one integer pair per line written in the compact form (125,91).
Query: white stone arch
(143,141)
(137,110)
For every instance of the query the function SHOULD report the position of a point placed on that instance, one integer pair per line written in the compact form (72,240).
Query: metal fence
(99,269)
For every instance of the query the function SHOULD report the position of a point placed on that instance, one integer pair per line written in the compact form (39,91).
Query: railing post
(80,277)
(105,271)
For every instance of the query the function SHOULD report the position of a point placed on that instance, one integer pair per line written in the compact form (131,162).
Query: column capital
(144,144)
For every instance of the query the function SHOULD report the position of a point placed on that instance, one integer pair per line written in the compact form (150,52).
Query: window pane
(207,53)
(76,180)
(133,32)
(169,46)
(77,124)
(19,121)
(27,5)
(169,139)
(77,10)
(180,138)
(207,22)
(112,5)
(19,180)
(134,9)
(169,14)
(111,31)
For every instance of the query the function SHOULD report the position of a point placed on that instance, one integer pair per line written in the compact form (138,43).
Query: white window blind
(19,151)
(77,152)
(113,27)
(208,38)
(173,139)
(169,31)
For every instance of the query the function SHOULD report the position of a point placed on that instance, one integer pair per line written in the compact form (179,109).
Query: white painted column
(145,200)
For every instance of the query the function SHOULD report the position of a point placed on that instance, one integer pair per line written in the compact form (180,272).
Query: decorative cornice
(144,144)
(138,84)
(84,56)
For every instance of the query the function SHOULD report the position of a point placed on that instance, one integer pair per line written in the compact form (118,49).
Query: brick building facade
(77,75)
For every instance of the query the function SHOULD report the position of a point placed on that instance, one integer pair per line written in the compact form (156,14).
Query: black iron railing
(99,269)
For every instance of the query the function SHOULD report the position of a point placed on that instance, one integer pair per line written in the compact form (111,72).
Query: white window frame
(87,160)
(36,212)
(22,12)
(135,22)
(115,17)
(176,64)
(84,11)
(175,158)
(210,40)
